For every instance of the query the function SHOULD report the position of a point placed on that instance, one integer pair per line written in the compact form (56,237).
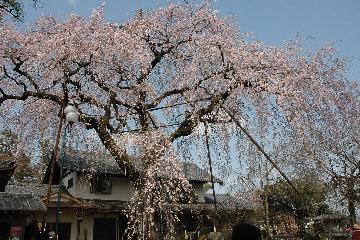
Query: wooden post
(78,229)
(56,156)
(54,159)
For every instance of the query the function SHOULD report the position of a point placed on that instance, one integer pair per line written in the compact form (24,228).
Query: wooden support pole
(54,159)
(260,148)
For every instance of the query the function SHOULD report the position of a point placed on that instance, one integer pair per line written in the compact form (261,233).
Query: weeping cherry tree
(143,85)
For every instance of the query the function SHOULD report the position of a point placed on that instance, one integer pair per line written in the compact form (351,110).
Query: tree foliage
(308,202)
(328,145)
(25,170)
(14,8)
(8,143)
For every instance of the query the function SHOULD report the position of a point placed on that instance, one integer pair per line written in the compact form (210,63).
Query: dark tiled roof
(20,202)
(194,173)
(105,205)
(92,163)
(230,202)
(196,206)
(105,164)
(38,190)
(331,216)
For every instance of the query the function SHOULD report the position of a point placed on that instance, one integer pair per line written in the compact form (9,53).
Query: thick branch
(122,159)
(23,73)
(192,120)
(158,100)
(26,94)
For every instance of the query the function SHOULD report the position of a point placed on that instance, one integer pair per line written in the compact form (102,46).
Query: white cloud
(72,2)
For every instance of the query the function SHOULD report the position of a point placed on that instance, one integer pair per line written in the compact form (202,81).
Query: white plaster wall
(86,227)
(72,190)
(121,189)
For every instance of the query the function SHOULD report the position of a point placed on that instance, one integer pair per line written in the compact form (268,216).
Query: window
(70,183)
(100,184)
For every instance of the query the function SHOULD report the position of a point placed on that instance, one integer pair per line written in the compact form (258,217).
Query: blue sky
(334,22)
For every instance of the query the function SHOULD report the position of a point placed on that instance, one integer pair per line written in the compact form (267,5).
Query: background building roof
(105,164)
(228,201)
(38,190)
(20,202)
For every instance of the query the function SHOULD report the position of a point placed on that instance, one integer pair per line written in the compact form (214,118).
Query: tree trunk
(122,159)
(267,220)
(351,197)
(352,210)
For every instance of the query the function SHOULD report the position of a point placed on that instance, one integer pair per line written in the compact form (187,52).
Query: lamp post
(71,117)
(71,114)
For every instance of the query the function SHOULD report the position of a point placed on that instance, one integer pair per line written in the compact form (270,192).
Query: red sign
(15,232)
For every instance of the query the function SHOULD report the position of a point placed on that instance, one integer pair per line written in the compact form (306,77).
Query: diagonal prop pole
(54,159)
(260,148)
